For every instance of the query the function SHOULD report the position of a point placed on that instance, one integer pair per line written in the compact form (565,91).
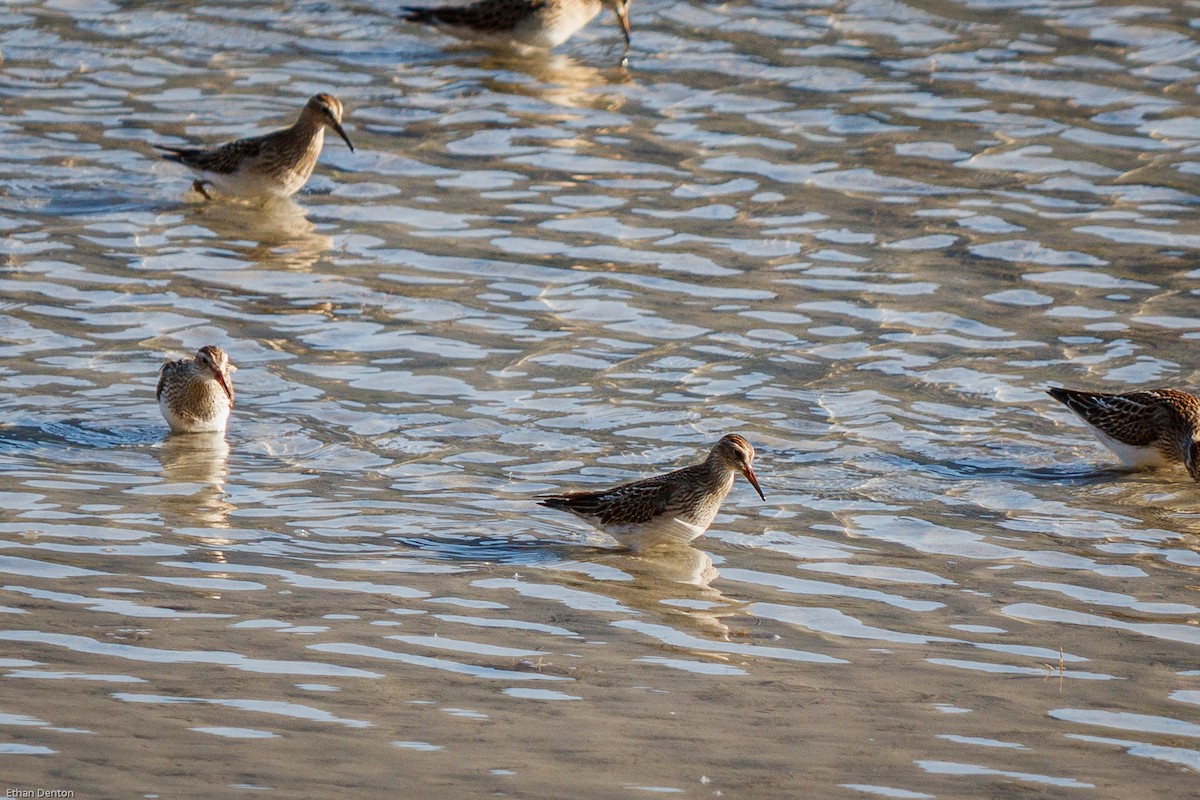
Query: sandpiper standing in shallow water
(195,395)
(1149,428)
(275,165)
(525,24)
(678,506)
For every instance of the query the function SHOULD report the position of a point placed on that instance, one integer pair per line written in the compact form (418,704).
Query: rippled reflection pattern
(866,236)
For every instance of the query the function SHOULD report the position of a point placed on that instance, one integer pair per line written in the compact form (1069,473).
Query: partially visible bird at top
(1148,428)
(676,507)
(277,164)
(195,394)
(524,24)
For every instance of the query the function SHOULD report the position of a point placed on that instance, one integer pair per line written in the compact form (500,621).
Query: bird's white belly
(660,531)
(250,185)
(551,28)
(1130,455)
(210,423)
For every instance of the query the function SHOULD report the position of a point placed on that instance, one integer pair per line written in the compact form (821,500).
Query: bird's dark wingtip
(1058,393)
(416,14)
(551,501)
(169,153)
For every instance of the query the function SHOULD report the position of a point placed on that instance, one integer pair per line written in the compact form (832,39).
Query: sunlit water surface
(866,235)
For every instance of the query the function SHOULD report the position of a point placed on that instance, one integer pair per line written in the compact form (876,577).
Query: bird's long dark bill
(225,386)
(749,473)
(342,133)
(624,20)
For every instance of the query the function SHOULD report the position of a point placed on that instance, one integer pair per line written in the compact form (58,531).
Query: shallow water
(866,235)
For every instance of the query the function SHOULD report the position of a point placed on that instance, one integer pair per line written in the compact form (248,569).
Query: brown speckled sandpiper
(275,165)
(195,395)
(678,506)
(526,24)
(1148,428)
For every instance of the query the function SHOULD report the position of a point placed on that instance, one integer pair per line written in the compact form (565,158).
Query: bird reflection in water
(201,460)
(557,79)
(671,577)
(275,234)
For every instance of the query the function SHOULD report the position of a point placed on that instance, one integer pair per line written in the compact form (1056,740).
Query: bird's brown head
(621,9)
(734,453)
(213,360)
(325,109)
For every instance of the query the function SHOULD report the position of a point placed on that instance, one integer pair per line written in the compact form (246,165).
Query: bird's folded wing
(162,379)
(488,16)
(1135,419)
(630,504)
(222,160)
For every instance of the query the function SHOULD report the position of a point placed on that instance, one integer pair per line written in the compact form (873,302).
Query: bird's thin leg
(198,185)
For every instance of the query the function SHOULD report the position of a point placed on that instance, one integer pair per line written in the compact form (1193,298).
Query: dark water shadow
(69,201)
(500,551)
(1079,475)
(77,433)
